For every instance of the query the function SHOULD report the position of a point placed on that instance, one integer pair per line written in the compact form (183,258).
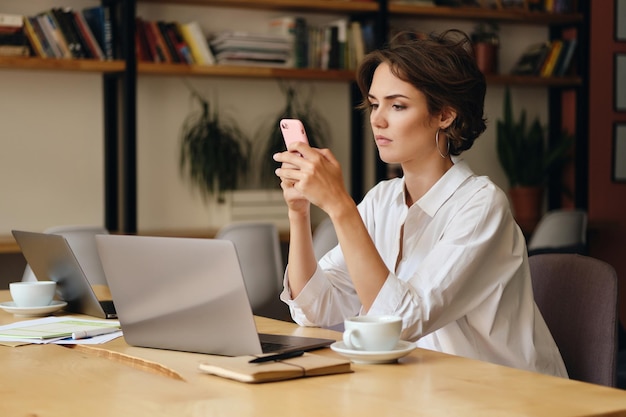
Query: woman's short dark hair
(443,68)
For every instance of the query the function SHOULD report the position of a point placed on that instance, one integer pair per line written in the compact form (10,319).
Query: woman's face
(402,126)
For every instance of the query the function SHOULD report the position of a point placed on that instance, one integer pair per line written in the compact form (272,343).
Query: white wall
(51,152)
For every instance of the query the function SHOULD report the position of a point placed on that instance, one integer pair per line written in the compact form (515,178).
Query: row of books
(546,59)
(68,34)
(339,44)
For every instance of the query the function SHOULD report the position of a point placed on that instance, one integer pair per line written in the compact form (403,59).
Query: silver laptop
(186,294)
(51,258)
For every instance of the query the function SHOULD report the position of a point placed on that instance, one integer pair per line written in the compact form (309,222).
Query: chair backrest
(577,296)
(83,243)
(324,238)
(260,257)
(563,231)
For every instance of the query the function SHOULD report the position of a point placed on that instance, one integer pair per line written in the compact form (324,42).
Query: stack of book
(546,59)
(71,34)
(13,41)
(248,48)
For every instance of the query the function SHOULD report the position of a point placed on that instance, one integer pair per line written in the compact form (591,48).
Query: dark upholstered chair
(577,296)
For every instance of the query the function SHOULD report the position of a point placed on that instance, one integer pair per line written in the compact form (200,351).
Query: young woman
(439,246)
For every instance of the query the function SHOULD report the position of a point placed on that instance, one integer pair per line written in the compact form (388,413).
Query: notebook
(51,258)
(186,294)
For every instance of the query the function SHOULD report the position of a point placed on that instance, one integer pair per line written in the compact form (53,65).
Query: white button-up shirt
(463,284)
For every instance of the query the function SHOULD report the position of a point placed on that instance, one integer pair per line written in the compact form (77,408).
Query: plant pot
(527,204)
(486,55)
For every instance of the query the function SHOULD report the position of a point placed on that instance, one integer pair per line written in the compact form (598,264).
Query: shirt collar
(442,190)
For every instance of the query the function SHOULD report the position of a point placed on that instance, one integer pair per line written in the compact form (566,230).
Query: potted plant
(486,42)
(295,108)
(527,161)
(214,153)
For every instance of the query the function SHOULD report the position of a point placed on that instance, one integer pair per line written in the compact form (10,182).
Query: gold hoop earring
(437,144)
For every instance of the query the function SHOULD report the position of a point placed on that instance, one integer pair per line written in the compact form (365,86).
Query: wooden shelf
(146,68)
(79,65)
(531,81)
(477,13)
(325,6)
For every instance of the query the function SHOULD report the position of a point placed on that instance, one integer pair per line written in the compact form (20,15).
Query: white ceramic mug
(372,333)
(32,293)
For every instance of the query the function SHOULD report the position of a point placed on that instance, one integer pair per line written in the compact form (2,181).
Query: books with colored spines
(33,22)
(53,36)
(198,43)
(547,68)
(99,20)
(33,39)
(565,58)
(89,39)
(67,30)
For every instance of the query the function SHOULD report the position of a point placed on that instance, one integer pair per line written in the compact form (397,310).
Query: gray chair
(577,296)
(82,240)
(324,238)
(560,231)
(260,257)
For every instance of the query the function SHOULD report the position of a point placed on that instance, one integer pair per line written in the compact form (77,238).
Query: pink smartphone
(293,131)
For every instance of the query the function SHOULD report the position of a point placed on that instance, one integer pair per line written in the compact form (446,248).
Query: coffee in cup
(32,293)
(372,333)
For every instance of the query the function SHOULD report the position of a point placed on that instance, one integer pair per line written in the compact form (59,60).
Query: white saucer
(10,307)
(370,357)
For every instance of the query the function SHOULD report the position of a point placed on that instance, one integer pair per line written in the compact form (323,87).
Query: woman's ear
(447,117)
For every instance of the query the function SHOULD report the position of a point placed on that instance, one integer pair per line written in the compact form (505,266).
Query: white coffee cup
(32,293)
(372,333)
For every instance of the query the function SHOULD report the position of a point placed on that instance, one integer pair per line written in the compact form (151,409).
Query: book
(143,48)
(99,20)
(11,22)
(179,43)
(357,50)
(88,36)
(41,36)
(531,60)
(47,29)
(67,31)
(57,33)
(169,42)
(162,50)
(565,59)
(238,368)
(33,39)
(548,66)
(14,50)
(198,43)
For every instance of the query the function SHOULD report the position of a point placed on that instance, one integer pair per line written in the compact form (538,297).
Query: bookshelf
(120,79)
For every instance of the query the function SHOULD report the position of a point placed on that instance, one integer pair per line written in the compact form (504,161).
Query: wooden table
(120,380)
